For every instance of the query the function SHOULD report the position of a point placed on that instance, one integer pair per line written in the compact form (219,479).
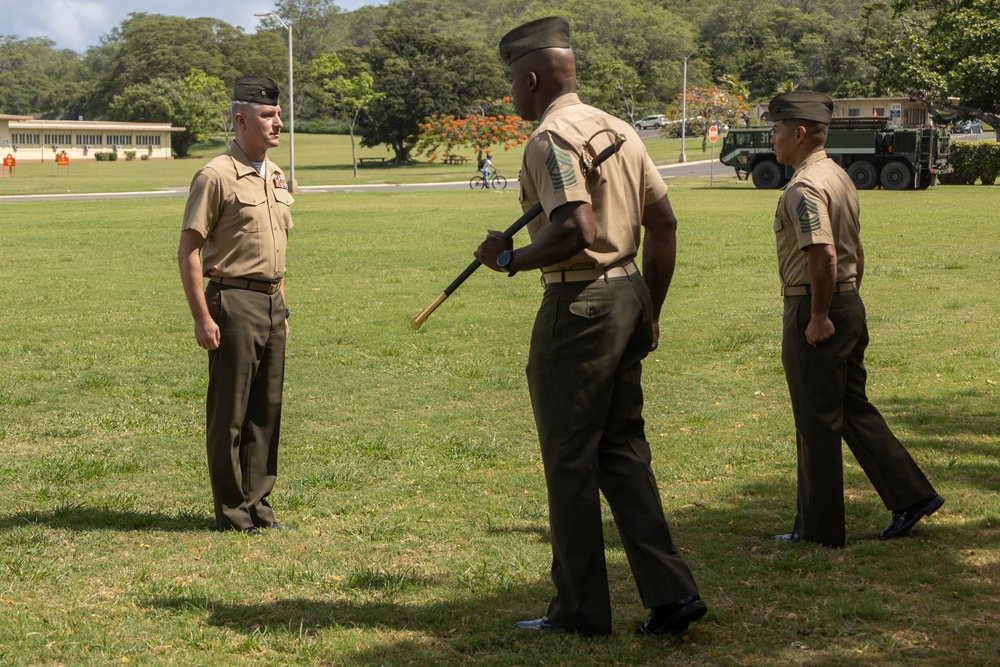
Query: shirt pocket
(250,205)
(283,206)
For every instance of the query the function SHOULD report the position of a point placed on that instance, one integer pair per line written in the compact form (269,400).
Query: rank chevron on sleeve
(808,214)
(560,167)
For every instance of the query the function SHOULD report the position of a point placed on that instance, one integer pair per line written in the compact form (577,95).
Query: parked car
(655,121)
(967,127)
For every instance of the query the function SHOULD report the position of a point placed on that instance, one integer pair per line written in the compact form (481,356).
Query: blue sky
(78,24)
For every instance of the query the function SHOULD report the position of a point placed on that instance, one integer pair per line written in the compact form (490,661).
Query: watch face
(503,259)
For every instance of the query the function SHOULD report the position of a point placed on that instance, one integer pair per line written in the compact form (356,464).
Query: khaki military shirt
(618,192)
(819,206)
(243,217)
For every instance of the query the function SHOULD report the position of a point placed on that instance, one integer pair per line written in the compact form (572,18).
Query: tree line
(427,57)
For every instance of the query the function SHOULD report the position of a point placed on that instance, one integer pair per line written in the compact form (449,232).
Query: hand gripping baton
(589,164)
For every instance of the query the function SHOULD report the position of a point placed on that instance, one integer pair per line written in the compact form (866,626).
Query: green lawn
(409,465)
(320,159)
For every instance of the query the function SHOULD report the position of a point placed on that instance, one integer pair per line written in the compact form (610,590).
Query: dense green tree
(951,49)
(421,74)
(38,79)
(145,47)
(199,103)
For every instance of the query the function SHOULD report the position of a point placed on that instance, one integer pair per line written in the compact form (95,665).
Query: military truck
(872,150)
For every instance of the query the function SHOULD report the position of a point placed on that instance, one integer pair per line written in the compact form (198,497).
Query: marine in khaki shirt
(819,206)
(599,318)
(551,173)
(825,335)
(243,217)
(235,232)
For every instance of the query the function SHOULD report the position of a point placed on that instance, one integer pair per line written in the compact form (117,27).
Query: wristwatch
(504,260)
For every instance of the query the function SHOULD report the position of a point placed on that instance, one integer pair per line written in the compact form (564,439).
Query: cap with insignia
(551,32)
(801,105)
(260,89)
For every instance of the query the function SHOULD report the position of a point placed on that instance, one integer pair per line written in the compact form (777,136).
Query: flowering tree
(710,104)
(479,131)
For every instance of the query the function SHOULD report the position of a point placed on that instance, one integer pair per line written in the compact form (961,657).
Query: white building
(30,140)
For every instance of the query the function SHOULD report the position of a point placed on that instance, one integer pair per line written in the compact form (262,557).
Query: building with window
(30,140)
(900,110)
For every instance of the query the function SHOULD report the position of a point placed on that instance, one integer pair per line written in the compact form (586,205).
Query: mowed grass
(320,159)
(409,466)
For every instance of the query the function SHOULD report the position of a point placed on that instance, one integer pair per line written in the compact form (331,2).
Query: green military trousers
(584,375)
(827,388)
(243,405)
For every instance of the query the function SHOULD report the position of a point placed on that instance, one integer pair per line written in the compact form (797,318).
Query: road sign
(713,133)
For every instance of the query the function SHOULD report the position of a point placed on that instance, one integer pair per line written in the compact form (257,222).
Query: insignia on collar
(808,214)
(560,167)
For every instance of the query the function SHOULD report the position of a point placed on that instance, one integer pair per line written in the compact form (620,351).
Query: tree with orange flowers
(707,105)
(480,131)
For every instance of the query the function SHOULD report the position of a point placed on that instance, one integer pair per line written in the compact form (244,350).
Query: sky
(79,24)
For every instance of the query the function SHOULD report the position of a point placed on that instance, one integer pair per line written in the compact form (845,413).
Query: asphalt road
(691,168)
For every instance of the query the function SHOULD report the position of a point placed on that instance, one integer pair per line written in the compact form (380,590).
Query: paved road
(692,168)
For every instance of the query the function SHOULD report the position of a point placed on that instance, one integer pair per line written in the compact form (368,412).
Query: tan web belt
(579,275)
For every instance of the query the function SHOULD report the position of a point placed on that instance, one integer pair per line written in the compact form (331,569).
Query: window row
(66,140)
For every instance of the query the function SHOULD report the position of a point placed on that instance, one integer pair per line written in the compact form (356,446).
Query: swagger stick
(588,166)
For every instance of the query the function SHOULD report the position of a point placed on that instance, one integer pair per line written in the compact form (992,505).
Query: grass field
(409,466)
(319,160)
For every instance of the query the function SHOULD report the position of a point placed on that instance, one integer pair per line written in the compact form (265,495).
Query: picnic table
(456,159)
(372,161)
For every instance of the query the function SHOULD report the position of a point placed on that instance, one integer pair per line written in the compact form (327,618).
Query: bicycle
(496,181)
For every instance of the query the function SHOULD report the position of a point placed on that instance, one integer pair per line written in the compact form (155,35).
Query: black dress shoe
(540,624)
(904,520)
(275,525)
(252,530)
(788,537)
(673,618)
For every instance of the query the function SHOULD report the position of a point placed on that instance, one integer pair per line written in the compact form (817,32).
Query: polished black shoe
(540,624)
(252,530)
(788,537)
(275,525)
(904,520)
(673,618)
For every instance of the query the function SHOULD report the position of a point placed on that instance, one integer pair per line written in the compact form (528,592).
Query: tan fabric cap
(260,89)
(551,32)
(801,105)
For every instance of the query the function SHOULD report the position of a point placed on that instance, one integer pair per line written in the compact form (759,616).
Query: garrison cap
(551,32)
(801,105)
(260,89)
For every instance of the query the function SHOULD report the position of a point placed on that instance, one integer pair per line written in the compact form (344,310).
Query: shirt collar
(812,159)
(241,163)
(561,102)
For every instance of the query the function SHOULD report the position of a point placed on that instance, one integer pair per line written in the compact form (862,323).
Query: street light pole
(684,107)
(293,185)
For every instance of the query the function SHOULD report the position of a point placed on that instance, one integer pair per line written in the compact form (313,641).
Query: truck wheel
(767,175)
(896,176)
(863,174)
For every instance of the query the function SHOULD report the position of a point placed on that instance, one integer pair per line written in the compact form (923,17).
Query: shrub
(129,156)
(144,156)
(973,160)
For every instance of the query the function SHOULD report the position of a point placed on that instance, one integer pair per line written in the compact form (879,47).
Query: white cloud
(73,24)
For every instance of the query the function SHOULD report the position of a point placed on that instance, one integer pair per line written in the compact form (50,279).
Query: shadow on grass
(82,517)
(963,427)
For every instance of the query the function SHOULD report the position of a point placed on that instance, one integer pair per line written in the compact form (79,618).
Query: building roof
(28,123)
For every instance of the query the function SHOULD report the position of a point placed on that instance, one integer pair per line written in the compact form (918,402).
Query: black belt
(806,290)
(265,286)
